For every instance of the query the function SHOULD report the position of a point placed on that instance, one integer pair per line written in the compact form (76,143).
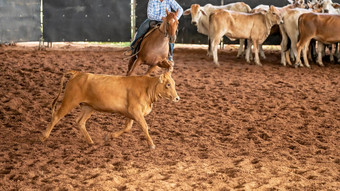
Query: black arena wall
(19,21)
(87,20)
(95,20)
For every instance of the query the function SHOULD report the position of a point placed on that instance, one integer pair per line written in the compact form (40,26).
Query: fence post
(133,19)
(221,42)
(41,41)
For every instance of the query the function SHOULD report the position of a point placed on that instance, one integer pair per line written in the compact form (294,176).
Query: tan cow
(287,13)
(236,25)
(131,96)
(200,17)
(321,27)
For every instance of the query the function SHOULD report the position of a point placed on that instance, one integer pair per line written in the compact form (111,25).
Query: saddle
(153,26)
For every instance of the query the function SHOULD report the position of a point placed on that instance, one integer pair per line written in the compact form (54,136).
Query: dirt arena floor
(237,127)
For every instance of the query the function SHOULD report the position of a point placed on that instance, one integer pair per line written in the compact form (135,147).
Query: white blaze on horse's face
(172,25)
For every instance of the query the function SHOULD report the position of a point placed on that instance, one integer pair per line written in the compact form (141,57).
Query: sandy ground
(237,127)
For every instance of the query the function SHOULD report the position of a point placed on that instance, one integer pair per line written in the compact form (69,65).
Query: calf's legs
(86,112)
(141,120)
(241,48)
(303,43)
(128,126)
(256,50)
(65,108)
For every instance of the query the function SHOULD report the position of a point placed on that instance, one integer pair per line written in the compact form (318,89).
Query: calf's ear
(187,12)
(203,12)
(161,78)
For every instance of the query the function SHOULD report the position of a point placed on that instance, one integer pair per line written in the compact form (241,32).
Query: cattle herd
(133,96)
(300,24)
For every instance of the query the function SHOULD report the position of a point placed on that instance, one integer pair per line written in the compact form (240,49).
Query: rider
(157,10)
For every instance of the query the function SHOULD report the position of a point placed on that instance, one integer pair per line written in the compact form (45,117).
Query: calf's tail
(210,31)
(74,73)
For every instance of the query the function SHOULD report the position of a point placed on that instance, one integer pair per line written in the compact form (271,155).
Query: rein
(165,32)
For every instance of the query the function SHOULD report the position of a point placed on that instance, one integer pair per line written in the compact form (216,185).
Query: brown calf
(321,27)
(131,96)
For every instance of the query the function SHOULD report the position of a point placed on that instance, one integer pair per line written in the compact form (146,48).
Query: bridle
(165,32)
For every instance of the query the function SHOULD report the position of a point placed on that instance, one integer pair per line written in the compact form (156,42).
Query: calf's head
(166,87)
(196,12)
(274,15)
(327,7)
(298,3)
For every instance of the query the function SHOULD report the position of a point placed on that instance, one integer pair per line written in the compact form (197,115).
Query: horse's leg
(131,61)
(134,65)
(151,69)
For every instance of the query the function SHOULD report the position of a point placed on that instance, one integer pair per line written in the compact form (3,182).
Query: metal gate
(19,21)
(87,20)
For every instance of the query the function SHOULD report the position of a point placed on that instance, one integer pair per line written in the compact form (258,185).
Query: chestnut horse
(154,48)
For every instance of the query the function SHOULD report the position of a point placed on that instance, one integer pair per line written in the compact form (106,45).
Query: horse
(154,48)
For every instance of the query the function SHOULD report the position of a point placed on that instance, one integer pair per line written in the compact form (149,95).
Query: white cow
(200,17)
(289,29)
(275,29)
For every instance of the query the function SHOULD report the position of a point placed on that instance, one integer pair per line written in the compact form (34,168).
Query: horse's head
(171,25)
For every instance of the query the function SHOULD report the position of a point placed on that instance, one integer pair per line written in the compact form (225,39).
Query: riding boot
(171,52)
